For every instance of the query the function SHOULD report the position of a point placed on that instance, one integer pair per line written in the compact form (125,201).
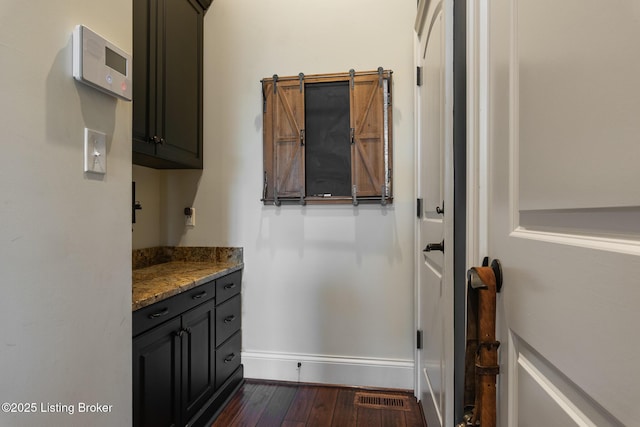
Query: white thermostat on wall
(100,64)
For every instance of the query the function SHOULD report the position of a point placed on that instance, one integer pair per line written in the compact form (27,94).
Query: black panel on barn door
(328,145)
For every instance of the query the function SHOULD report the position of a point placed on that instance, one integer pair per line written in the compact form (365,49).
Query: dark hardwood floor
(268,403)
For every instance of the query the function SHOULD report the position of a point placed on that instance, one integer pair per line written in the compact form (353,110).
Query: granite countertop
(178,270)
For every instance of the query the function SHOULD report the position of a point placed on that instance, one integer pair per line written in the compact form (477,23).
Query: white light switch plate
(95,151)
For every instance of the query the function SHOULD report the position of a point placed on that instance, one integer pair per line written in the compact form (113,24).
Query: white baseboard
(383,373)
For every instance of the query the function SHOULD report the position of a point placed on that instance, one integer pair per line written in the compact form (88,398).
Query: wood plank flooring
(270,403)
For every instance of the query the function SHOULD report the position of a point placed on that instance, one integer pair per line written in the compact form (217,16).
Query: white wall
(148,231)
(329,286)
(65,237)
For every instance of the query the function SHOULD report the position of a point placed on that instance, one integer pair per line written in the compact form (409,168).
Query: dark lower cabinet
(198,358)
(182,373)
(156,374)
(228,358)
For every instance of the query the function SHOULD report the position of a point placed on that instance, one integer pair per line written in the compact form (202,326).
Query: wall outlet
(190,217)
(95,151)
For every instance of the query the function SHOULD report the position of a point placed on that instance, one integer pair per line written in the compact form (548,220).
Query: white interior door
(434,272)
(555,147)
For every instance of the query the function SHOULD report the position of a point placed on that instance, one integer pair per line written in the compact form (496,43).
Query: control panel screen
(115,61)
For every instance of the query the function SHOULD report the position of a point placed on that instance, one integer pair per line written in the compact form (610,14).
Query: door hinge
(419,340)
(419,208)
(419,76)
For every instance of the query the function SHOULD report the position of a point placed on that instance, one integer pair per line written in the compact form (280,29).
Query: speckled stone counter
(160,273)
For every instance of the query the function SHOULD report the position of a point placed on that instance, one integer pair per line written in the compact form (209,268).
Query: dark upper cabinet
(167,83)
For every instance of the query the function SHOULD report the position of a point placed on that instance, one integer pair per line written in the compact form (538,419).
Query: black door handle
(434,247)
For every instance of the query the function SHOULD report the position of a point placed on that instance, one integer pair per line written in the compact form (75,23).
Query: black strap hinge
(264,188)
(264,100)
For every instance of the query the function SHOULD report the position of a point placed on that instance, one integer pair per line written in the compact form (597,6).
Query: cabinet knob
(229,358)
(181,332)
(229,319)
(155,139)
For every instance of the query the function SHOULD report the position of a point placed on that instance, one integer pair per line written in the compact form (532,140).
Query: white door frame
(477,132)
(478,159)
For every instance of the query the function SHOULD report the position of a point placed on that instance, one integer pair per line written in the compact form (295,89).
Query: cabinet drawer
(161,311)
(228,358)
(228,286)
(228,319)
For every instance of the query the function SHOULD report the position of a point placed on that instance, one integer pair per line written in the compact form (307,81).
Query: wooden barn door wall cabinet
(327,138)
(186,355)
(167,83)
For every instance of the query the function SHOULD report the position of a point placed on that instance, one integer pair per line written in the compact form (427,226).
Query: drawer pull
(200,295)
(229,286)
(159,314)
(229,319)
(229,358)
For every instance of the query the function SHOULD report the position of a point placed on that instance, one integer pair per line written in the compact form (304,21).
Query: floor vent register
(382,401)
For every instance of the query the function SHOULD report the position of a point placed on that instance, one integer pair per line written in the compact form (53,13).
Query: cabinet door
(144,75)
(156,373)
(198,357)
(180,89)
